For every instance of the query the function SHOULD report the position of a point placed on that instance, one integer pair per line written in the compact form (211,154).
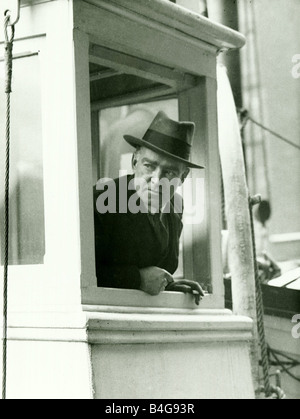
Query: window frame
(135,37)
(187,97)
(33,286)
(23,49)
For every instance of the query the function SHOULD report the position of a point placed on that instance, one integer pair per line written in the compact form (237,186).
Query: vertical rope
(260,98)
(259,307)
(250,149)
(8,64)
(6,246)
(223,209)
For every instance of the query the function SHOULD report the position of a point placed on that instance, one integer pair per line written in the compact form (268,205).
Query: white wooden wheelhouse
(67,338)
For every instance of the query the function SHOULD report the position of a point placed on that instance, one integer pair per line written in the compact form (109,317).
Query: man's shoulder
(111,196)
(175,206)
(105,184)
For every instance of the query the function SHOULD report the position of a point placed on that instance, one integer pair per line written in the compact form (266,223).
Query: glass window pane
(115,153)
(26,238)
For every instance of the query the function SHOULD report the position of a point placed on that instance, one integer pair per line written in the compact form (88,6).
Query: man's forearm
(124,276)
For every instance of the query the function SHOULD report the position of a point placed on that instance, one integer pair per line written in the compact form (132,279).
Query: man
(138,217)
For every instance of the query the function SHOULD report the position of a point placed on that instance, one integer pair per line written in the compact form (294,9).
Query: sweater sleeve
(124,276)
(109,274)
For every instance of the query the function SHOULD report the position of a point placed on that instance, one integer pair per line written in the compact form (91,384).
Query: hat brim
(134,142)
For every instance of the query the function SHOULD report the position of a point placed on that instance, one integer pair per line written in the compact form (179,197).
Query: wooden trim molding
(189,326)
(143,37)
(145,325)
(178,18)
(127,64)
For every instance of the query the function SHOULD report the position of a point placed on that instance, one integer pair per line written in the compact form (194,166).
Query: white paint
(194,354)
(196,6)
(172,371)
(285,237)
(48,370)
(285,278)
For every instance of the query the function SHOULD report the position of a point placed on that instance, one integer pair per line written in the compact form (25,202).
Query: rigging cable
(280,137)
(8,45)
(268,388)
(291,363)
(245,117)
(285,365)
(260,101)
(248,98)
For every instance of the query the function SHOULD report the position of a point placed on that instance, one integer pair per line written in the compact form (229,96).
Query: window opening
(26,230)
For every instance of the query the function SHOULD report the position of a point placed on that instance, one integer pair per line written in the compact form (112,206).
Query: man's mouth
(155,196)
(155,193)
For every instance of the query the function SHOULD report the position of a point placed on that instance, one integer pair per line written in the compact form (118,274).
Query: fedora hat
(169,137)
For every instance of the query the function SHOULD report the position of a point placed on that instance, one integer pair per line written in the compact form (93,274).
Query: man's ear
(185,174)
(134,158)
(133,161)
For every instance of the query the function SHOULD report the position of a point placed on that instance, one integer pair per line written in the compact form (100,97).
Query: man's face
(158,176)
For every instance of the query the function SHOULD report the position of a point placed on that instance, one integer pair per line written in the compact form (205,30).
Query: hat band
(169,144)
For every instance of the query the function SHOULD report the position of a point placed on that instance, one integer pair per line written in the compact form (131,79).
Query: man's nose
(156,175)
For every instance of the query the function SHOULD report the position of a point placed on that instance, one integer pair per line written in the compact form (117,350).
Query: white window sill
(93,298)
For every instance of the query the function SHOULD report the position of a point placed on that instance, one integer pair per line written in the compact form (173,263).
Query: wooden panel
(135,97)
(84,144)
(143,38)
(141,68)
(181,19)
(118,86)
(172,371)
(199,105)
(95,146)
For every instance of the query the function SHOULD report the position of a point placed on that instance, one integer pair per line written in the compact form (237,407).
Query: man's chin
(152,203)
(155,201)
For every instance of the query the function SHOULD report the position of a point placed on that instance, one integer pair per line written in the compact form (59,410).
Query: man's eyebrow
(146,159)
(155,163)
(173,168)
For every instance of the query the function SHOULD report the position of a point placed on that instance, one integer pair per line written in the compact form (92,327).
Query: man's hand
(187,286)
(154,279)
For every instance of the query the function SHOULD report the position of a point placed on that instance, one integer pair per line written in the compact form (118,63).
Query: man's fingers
(154,279)
(188,286)
(184,285)
(193,284)
(177,287)
(164,284)
(169,278)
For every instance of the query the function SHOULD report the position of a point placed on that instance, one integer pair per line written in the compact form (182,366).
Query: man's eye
(169,174)
(148,165)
